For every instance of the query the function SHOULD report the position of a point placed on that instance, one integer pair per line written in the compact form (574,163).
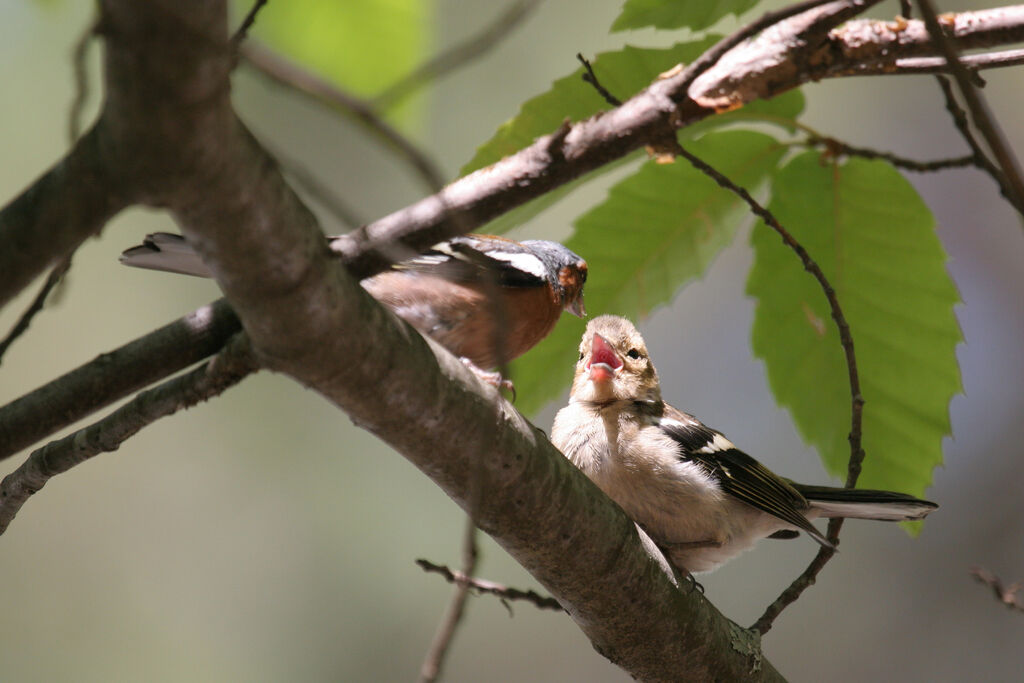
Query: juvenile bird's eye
(581,355)
(633,353)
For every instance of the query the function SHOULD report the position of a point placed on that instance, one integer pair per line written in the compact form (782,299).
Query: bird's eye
(581,356)
(633,353)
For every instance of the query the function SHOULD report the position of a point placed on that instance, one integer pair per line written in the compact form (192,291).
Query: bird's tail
(865,503)
(168,252)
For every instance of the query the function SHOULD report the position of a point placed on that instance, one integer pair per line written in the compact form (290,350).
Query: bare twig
(491,588)
(250,19)
(222,372)
(431,667)
(1012,182)
(1008,595)
(590,77)
(37,305)
(295,78)
(838,148)
(457,55)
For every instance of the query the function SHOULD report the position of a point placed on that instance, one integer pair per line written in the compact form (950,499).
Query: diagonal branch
(206,381)
(114,375)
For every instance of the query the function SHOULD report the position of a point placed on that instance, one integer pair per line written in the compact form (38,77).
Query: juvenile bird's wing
(739,474)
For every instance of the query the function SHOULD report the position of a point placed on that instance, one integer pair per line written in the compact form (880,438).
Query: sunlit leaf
(874,238)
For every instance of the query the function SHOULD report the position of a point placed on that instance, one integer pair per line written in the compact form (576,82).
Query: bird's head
(614,364)
(566,272)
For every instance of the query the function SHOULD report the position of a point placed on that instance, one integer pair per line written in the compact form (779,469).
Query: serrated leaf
(673,14)
(361,46)
(874,238)
(658,229)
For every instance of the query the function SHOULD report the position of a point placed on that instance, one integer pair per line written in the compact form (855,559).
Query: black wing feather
(740,475)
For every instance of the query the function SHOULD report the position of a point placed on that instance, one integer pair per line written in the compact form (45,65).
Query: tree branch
(211,379)
(48,221)
(114,375)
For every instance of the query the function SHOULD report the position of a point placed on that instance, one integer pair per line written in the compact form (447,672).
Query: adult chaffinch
(701,499)
(444,292)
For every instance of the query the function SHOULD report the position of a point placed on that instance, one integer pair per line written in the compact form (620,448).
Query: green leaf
(658,229)
(361,46)
(672,14)
(874,238)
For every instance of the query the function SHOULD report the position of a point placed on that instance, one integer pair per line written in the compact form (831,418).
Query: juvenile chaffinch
(701,499)
(444,292)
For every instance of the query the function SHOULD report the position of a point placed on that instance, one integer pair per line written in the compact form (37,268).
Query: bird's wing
(740,475)
(471,258)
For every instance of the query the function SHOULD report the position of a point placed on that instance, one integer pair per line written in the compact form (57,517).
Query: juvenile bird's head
(614,364)
(566,272)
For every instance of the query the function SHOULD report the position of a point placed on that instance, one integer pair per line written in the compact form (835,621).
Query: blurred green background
(263,537)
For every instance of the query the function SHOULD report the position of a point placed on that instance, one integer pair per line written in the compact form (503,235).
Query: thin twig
(298,79)
(978,155)
(52,280)
(431,667)
(208,380)
(250,19)
(591,78)
(987,60)
(456,56)
(1012,182)
(1008,595)
(502,591)
(837,148)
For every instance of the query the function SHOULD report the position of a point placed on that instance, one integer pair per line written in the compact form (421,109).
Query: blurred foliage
(875,240)
(361,46)
(671,14)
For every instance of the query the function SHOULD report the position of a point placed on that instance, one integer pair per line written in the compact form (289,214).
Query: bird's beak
(576,307)
(604,362)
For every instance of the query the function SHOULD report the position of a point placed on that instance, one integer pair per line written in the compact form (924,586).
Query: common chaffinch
(701,499)
(444,292)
